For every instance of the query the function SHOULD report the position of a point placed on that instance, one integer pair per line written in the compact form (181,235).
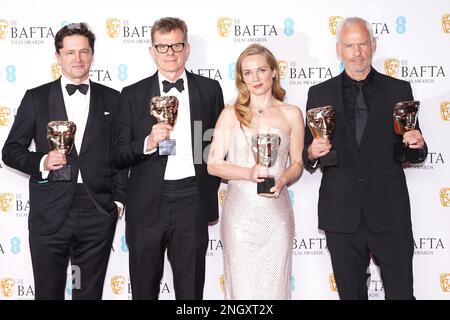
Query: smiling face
(75,58)
(257,74)
(355,48)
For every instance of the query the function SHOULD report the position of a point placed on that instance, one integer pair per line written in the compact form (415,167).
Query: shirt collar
(349,82)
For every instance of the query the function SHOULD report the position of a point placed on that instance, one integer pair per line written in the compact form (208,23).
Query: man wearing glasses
(170,198)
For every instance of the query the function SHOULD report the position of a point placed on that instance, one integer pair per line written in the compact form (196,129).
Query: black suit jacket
(147,171)
(367,176)
(50,201)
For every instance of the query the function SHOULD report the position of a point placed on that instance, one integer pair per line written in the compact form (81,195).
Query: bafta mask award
(405,118)
(265,149)
(61,136)
(321,123)
(164,109)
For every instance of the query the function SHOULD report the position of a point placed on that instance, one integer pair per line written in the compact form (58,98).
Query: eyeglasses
(163,48)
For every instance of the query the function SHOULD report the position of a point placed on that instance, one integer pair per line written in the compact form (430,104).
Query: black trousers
(85,238)
(350,257)
(177,229)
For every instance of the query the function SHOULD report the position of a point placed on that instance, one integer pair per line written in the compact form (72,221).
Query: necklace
(260,111)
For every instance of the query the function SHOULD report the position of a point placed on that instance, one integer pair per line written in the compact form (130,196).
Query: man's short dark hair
(71,29)
(169,24)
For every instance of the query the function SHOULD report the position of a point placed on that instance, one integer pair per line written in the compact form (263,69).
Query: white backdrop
(415,41)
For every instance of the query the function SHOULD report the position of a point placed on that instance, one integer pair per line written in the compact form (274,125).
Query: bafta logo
(445,110)
(333,23)
(6,201)
(332,282)
(221,194)
(224,26)
(444,195)
(55,70)
(222,282)
(391,67)
(445,282)
(446,23)
(117,284)
(3,29)
(113,27)
(5,116)
(7,286)
(283,68)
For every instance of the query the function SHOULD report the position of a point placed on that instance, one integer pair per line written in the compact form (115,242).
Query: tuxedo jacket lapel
(95,118)
(57,108)
(341,120)
(152,91)
(196,111)
(194,100)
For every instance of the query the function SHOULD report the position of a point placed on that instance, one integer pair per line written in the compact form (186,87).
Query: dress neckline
(266,130)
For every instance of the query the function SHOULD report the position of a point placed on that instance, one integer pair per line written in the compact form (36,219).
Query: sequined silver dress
(257,232)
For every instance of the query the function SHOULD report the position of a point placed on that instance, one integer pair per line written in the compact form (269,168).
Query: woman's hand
(258,173)
(276,189)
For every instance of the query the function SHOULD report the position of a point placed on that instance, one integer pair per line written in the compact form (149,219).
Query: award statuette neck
(61,136)
(321,122)
(164,109)
(265,148)
(405,118)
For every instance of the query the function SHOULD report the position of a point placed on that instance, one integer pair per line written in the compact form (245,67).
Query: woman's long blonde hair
(242,104)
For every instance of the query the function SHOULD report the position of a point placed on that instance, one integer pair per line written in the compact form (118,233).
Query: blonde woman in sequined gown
(257,231)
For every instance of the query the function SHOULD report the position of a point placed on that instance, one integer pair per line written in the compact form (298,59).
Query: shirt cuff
(145,151)
(313,163)
(119,204)
(44,173)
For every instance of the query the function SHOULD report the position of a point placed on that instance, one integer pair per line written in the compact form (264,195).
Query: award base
(63,174)
(265,186)
(167,147)
(330,159)
(403,153)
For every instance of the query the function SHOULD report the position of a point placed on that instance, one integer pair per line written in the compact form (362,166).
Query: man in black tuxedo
(69,219)
(363,200)
(171,198)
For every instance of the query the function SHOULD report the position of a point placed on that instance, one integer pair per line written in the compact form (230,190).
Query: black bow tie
(179,84)
(71,88)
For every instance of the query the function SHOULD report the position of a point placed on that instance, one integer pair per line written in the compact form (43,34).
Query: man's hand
(55,160)
(318,148)
(413,139)
(160,132)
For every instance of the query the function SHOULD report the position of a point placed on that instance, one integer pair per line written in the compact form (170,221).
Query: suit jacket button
(360,180)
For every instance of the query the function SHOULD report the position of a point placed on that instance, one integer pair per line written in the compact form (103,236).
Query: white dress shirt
(77,110)
(181,165)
